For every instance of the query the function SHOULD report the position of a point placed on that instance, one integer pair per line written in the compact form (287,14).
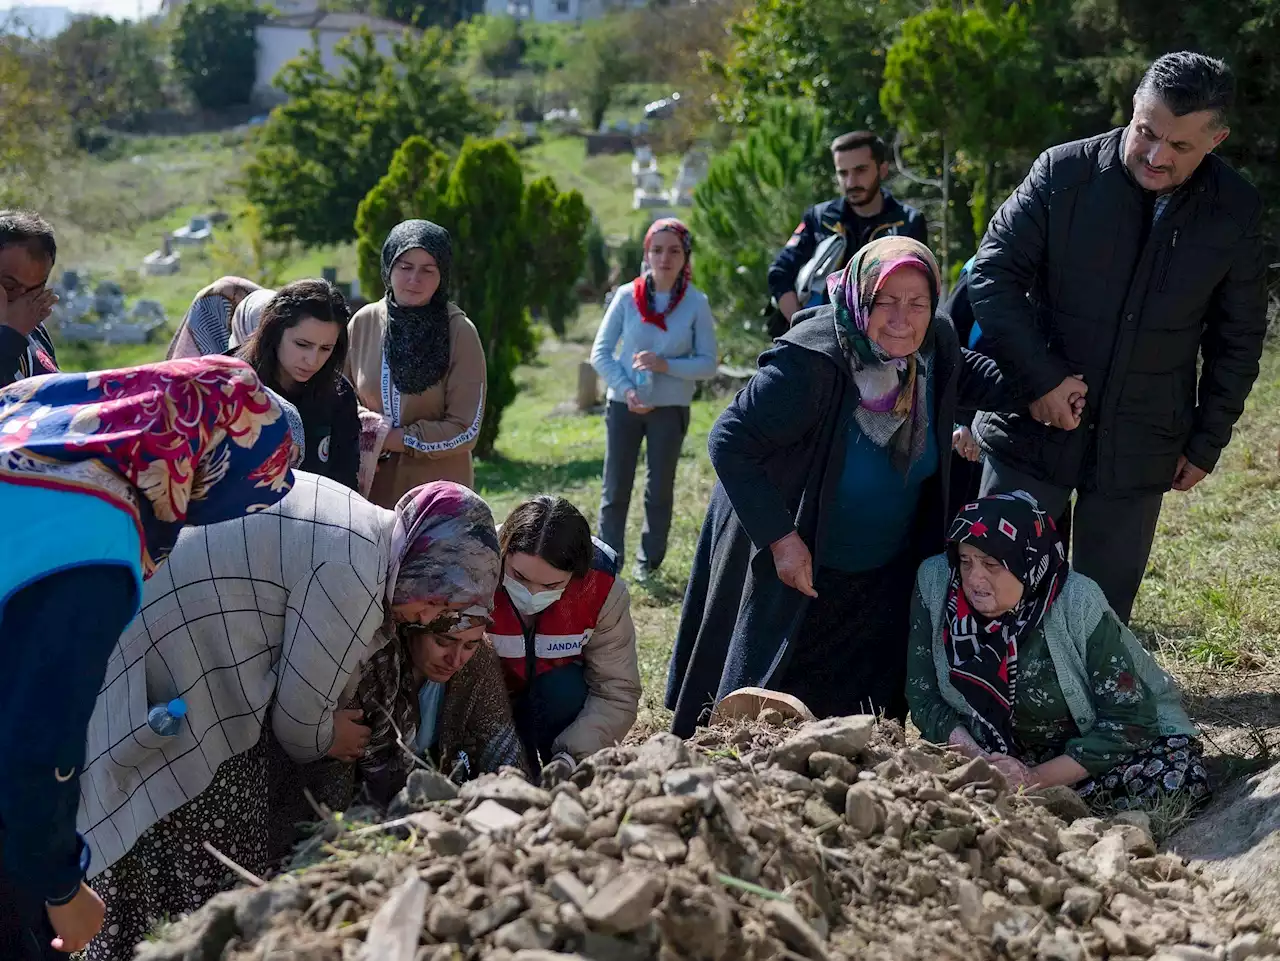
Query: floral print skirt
(168,872)
(1170,768)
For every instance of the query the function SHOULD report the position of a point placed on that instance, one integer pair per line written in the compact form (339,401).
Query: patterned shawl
(247,317)
(206,328)
(182,442)
(891,393)
(983,652)
(417,339)
(444,547)
(642,288)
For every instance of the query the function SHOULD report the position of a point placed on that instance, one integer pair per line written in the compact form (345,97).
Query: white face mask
(525,601)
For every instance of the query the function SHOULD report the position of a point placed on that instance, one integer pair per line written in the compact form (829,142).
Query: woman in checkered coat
(262,626)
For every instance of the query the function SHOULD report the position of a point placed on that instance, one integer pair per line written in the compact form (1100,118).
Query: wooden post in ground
(588,387)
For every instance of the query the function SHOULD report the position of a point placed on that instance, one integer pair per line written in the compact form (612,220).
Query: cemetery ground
(1208,606)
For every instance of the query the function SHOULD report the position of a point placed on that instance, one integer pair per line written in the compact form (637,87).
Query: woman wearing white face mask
(562,626)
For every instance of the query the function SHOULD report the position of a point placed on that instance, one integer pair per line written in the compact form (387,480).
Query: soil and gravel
(833,839)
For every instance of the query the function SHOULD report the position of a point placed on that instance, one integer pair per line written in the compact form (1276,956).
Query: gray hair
(1187,82)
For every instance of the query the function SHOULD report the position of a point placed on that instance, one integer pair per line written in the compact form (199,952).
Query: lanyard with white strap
(391,409)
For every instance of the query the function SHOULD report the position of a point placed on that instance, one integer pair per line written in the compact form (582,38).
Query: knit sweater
(1114,698)
(688,345)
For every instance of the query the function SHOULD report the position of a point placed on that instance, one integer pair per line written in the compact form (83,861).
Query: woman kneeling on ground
(261,626)
(298,350)
(562,625)
(435,696)
(1017,658)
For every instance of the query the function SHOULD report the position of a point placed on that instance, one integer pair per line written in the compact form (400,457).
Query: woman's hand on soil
(794,563)
(350,737)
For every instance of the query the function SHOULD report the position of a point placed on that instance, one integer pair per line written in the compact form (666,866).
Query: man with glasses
(27,253)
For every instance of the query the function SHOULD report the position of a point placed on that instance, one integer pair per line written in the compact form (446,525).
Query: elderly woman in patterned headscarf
(418,369)
(1017,658)
(98,474)
(832,489)
(264,626)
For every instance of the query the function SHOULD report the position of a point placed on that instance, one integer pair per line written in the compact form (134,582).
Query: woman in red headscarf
(656,341)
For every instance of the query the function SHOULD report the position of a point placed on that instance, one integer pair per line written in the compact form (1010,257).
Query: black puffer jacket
(1073,277)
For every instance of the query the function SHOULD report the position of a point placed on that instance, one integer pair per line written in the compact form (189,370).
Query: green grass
(604,180)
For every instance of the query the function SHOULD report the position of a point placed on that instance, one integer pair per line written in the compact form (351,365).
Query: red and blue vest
(558,635)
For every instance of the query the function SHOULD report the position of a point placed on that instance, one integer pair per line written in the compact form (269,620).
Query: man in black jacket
(27,253)
(865,211)
(1117,262)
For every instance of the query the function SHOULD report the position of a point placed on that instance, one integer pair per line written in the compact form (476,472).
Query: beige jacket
(612,668)
(442,425)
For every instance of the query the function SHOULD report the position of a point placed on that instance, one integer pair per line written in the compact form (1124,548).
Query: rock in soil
(752,841)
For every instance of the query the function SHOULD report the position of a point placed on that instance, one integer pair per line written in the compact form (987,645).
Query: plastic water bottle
(166,719)
(643,380)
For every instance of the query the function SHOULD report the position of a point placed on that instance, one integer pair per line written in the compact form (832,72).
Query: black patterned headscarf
(417,342)
(982,651)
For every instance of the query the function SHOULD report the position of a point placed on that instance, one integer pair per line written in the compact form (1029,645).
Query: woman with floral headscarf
(98,474)
(1017,658)
(263,626)
(657,340)
(418,368)
(831,491)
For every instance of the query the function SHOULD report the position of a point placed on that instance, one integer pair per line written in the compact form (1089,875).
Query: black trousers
(662,430)
(1111,537)
(850,654)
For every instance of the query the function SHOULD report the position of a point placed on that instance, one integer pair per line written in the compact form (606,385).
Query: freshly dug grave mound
(833,839)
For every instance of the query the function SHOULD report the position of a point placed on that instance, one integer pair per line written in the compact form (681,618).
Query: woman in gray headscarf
(206,327)
(418,369)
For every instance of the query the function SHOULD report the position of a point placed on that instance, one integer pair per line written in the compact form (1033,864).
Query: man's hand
(965,444)
(1188,475)
(77,922)
(350,737)
(794,563)
(648,360)
(1063,405)
(635,405)
(788,305)
(27,312)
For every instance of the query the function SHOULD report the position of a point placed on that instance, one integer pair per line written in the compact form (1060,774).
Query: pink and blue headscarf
(444,549)
(184,442)
(893,409)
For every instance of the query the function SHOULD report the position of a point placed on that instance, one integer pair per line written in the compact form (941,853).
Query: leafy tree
(602,57)
(326,147)
(427,13)
(750,201)
(826,52)
(555,226)
(33,123)
(215,49)
(974,77)
(496,44)
(109,71)
(514,245)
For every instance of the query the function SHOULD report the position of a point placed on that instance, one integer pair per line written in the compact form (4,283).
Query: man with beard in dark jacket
(864,211)
(1116,264)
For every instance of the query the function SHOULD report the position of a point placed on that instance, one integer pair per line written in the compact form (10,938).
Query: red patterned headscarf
(185,442)
(642,287)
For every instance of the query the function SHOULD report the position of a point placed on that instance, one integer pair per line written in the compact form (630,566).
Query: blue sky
(107,8)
